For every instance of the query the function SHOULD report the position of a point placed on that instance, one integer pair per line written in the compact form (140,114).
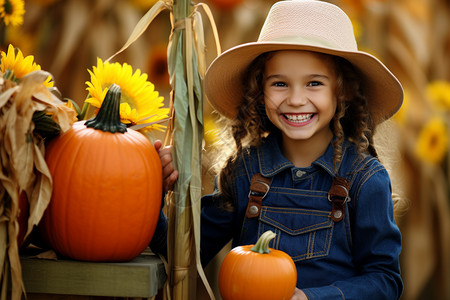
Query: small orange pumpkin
(107,188)
(257,272)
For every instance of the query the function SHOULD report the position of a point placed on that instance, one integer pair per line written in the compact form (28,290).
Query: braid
(352,119)
(248,128)
(338,132)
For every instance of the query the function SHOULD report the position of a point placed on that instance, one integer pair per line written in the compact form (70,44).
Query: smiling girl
(299,99)
(302,105)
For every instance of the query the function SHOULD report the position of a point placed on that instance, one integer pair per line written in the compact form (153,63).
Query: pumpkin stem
(108,117)
(262,245)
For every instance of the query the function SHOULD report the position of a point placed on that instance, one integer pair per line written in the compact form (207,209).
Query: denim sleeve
(158,244)
(216,228)
(376,245)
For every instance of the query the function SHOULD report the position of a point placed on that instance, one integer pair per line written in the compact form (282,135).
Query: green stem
(262,245)
(83,112)
(9,75)
(181,9)
(108,117)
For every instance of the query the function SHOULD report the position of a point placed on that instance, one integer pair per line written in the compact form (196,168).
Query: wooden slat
(141,277)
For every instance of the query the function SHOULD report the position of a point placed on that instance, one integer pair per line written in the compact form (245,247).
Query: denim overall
(355,258)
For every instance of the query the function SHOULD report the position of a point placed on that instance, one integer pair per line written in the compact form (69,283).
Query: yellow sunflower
(212,131)
(357,28)
(439,94)
(12,11)
(432,143)
(15,66)
(401,115)
(140,103)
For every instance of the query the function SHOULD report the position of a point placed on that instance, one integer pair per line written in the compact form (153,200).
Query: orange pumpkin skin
(107,190)
(248,275)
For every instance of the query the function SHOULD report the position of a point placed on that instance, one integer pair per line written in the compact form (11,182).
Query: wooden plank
(141,277)
(71,297)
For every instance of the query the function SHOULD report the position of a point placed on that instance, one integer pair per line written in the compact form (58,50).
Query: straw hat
(302,25)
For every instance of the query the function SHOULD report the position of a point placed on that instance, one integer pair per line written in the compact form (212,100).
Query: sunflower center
(124,95)
(125,98)
(8,7)
(434,141)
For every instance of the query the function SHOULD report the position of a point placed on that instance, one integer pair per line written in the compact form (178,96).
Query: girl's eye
(279,84)
(314,83)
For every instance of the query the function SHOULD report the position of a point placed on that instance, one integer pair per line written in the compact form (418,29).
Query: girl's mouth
(298,118)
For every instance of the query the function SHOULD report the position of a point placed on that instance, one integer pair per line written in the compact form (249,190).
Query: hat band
(306,41)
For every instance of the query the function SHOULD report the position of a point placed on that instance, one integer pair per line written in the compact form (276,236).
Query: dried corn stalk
(187,65)
(23,168)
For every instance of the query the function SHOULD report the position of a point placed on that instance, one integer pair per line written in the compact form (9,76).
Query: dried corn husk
(23,167)
(187,66)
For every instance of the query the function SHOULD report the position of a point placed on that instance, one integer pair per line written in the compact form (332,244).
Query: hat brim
(224,77)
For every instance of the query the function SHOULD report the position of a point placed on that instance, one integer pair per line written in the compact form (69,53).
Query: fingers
(299,295)
(169,181)
(157,144)
(170,175)
(165,154)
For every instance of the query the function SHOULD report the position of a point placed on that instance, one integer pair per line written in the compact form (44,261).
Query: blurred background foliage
(412,37)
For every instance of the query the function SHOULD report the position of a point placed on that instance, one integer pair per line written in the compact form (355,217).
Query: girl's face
(299,94)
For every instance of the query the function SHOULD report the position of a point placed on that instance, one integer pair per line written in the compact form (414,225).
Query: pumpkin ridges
(55,175)
(96,170)
(59,229)
(229,265)
(128,213)
(117,209)
(101,205)
(153,185)
(85,181)
(250,275)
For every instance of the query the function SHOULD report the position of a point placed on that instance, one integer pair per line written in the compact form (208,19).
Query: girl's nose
(297,97)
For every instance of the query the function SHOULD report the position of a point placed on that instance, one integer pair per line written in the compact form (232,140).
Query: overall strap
(339,193)
(338,196)
(259,187)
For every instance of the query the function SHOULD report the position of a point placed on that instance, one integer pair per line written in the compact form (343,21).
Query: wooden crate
(142,277)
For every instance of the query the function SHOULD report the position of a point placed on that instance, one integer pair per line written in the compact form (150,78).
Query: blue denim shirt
(356,258)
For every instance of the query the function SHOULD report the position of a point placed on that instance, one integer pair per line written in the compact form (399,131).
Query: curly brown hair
(351,121)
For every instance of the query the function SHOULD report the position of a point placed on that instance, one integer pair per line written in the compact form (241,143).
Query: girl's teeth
(299,118)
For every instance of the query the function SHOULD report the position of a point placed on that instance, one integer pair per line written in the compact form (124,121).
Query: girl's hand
(299,295)
(170,175)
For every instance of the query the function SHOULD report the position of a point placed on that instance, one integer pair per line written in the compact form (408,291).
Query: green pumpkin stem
(262,245)
(108,117)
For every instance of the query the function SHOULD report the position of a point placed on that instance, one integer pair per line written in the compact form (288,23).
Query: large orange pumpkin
(256,272)
(107,188)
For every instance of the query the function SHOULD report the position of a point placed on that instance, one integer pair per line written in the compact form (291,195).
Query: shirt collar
(272,161)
